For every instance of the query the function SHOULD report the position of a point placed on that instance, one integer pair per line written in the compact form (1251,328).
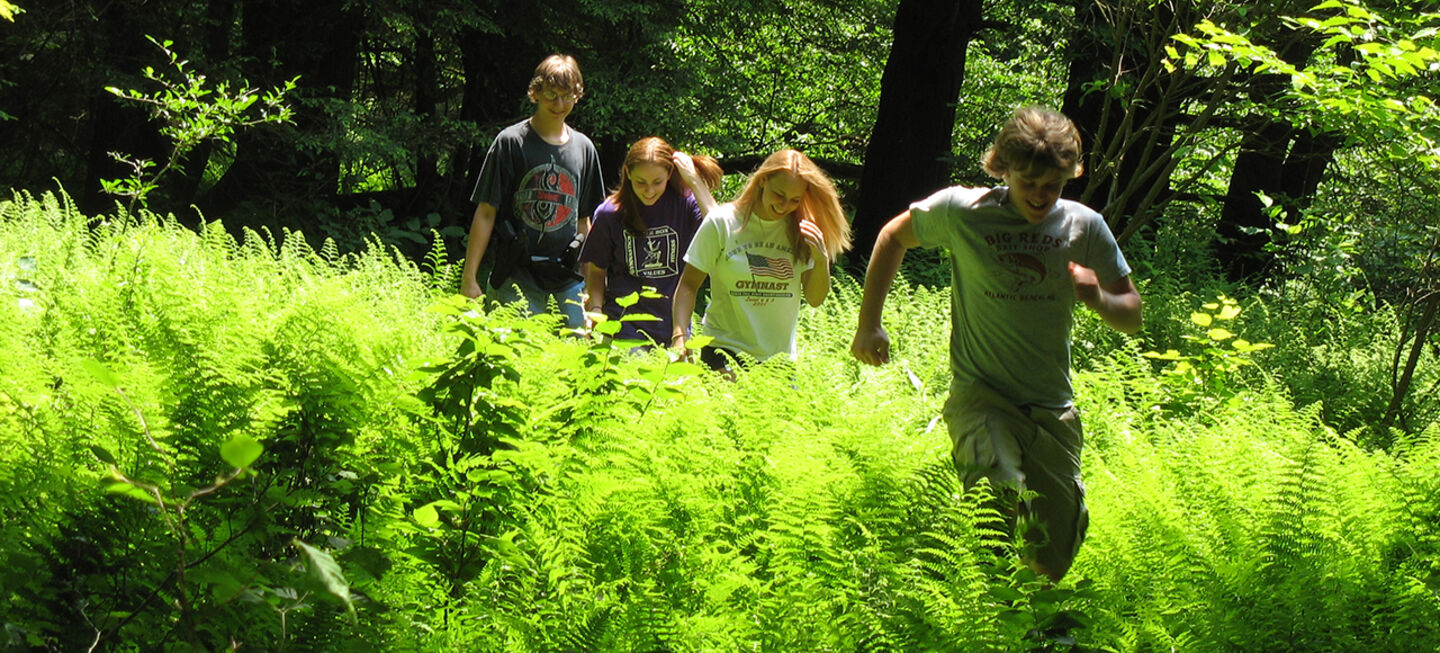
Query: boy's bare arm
(481,225)
(871,344)
(1118,303)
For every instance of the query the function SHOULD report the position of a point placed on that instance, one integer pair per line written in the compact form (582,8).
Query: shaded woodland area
(1266,143)
(247,410)
(395,101)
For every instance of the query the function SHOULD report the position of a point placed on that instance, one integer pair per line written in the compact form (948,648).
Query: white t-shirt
(1011,291)
(755,282)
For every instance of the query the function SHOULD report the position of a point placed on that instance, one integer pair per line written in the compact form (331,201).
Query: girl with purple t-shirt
(639,235)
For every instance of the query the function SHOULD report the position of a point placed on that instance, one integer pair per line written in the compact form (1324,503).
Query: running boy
(538,186)
(1019,258)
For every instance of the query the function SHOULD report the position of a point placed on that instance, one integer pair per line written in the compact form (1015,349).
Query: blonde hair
(560,72)
(820,204)
(654,150)
(1034,137)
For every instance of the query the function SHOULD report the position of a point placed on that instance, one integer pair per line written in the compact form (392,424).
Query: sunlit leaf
(323,568)
(426,516)
(100,372)
(130,490)
(241,451)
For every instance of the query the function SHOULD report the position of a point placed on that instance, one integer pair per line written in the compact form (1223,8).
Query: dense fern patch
(209,443)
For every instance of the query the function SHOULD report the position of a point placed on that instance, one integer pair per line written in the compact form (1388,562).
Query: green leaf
(104,455)
(241,451)
(1202,319)
(1220,334)
(129,490)
(100,372)
(426,516)
(324,569)
(628,300)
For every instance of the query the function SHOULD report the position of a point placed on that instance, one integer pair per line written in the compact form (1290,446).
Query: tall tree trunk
(316,41)
(120,126)
(496,73)
(909,153)
(1287,164)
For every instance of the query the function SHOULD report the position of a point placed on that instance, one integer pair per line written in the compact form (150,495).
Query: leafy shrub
(403,470)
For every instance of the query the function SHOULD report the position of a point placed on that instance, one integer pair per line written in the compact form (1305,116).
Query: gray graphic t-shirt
(1011,293)
(542,189)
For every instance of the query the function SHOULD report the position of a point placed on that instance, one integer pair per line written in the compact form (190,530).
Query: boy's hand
(1087,285)
(871,346)
(1117,303)
(471,288)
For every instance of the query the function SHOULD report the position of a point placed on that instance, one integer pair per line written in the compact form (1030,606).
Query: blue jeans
(567,300)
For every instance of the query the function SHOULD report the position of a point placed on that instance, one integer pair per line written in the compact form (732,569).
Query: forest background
(230,420)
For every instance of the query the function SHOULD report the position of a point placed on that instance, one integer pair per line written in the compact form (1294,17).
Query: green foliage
(400,469)
(1212,364)
(191,113)
(790,74)
(1365,81)
(1255,519)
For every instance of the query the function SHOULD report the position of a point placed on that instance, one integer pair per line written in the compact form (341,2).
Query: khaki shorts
(1024,448)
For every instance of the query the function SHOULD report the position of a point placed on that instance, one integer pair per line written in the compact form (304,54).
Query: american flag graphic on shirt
(765,266)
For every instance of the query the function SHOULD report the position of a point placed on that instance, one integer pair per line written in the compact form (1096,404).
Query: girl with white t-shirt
(764,253)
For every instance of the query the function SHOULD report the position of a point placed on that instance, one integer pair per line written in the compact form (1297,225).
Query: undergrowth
(346,457)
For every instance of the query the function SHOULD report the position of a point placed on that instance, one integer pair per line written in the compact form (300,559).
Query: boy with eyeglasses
(536,191)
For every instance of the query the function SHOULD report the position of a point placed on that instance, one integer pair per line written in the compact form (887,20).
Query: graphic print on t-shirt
(657,256)
(770,276)
(546,199)
(1021,261)
(1023,269)
(765,266)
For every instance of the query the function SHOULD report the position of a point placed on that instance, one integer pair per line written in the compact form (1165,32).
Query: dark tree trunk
(316,41)
(496,73)
(1287,164)
(1244,228)
(909,154)
(429,192)
(120,126)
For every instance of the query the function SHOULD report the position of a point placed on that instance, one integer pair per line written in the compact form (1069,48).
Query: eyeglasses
(557,96)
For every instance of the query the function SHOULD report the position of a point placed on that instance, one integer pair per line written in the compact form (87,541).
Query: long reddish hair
(654,150)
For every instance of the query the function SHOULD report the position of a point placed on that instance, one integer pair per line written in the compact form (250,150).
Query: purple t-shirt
(655,259)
